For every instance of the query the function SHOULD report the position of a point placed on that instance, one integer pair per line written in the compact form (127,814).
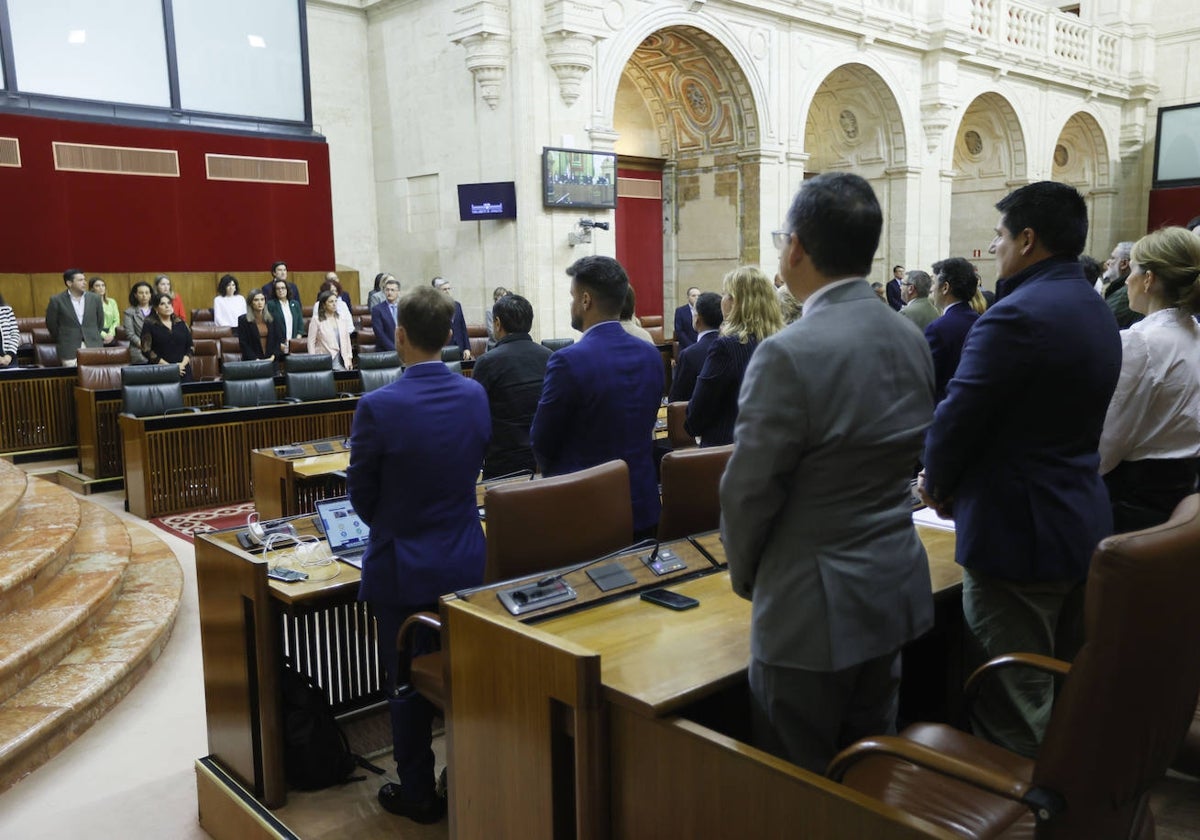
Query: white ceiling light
(77,36)
(257,41)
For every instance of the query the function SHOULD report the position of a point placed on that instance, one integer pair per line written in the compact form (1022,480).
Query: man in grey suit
(815,512)
(75,317)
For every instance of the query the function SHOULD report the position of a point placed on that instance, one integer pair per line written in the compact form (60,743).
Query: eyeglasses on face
(781,238)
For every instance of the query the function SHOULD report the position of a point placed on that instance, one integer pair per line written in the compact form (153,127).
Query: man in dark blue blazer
(416,446)
(383,316)
(954,285)
(1012,453)
(601,395)
(685,331)
(458,325)
(892,291)
(687,368)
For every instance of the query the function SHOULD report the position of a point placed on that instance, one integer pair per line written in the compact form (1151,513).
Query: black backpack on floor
(316,754)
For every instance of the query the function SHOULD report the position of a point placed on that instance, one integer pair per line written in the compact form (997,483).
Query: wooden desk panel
(37,409)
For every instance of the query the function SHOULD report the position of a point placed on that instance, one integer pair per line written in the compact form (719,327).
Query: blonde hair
(978,302)
(755,313)
(1173,254)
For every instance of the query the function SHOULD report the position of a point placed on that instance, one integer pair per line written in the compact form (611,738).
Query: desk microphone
(549,579)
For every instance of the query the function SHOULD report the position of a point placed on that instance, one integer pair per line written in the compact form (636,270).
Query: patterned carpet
(187,525)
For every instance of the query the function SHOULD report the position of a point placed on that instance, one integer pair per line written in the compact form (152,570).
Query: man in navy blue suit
(892,291)
(601,395)
(383,316)
(458,324)
(954,285)
(685,331)
(708,321)
(1012,454)
(416,447)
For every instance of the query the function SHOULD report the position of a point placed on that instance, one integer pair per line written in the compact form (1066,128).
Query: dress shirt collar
(701,335)
(820,293)
(601,324)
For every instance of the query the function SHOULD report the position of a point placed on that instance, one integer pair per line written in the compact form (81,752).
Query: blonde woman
(752,313)
(1150,445)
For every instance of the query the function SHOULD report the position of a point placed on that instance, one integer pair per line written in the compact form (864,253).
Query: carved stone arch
(853,121)
(1080,155)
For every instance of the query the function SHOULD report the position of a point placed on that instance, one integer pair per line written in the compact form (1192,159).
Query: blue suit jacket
(713,409)
(416,446)
(458,329)
(1014,444)
(946,336)
(599,402)
(894,298)
(685,329)
(688,367)
(384,326)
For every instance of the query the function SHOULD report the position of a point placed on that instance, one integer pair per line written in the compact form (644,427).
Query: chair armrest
(185,409)
(428,619)
(1047,664)
(1043,803)
(291,400)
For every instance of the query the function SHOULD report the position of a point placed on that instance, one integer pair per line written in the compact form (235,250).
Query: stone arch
(1080,157)
(854,122)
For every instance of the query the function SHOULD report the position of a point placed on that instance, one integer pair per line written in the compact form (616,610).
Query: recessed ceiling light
(256,41)
(77,36)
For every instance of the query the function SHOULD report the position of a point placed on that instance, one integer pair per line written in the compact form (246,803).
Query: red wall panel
(1173,207)
(50,220)
(640,243)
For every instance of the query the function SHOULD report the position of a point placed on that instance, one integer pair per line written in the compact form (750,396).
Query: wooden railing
(36,409)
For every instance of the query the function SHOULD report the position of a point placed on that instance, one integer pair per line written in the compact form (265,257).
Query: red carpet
(187,525)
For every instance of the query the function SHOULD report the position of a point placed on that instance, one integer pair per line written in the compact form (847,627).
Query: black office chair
(149,390)
(378,369)
(557,343)
(451,353)
(309,376)
(248,384)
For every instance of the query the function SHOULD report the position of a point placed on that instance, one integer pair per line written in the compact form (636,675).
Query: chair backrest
(691,479)
(46,354)
(557,343)
(478,346)
(231,350)
(378,369)
(651,321)
(209,330)
(26,326)
(247,384)
(538,525)
(656,334)
(100,367)
(455,367)
(298,345)
(364,341)
(310,376)
(149,390)
(451,353)
(206,360)
(1131,692)
(677,435)
(199,316)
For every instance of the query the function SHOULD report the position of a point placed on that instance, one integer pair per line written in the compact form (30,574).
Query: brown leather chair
(691,479)
(100,367)
(478,346)
(1120,716)
(677,435)
(365,341)
(201,315)
(231,350)
(206,360)
(649,321)
(209,330)
(26,327)
(46,355)
(534,526)
(656,334)
(297,345)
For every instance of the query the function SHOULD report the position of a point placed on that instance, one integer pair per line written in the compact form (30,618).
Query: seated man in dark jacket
(512,374)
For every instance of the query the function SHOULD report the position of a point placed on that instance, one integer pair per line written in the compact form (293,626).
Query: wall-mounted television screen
(579,179)
(480,202)
(1177,152)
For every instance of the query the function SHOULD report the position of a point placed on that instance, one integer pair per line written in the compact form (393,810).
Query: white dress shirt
(1155,411)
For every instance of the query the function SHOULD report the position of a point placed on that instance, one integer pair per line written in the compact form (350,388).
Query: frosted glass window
(238,57)
(113,51)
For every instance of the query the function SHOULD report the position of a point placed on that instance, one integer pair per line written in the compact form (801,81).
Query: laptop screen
(343,527)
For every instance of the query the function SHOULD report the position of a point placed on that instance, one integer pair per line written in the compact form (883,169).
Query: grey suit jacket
(65,328)
(815,512)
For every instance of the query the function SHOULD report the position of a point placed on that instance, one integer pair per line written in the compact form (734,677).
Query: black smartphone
(670,600)
(286,575)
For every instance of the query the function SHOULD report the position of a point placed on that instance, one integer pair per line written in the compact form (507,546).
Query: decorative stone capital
(485,33)
(571,56)
(935,119)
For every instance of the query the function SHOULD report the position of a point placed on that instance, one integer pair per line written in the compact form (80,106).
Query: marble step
(12,488)
(53,710)
(37,635)
(37,544)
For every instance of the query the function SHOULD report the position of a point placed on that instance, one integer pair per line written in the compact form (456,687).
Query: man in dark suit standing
(458,327)
(954,285)
(512,374)
(416,446)
(895,298)
(815,511)
(685,331)
(708,321)
(75,317)
(279,271)
(601,395)
(1012,454)
(383,316)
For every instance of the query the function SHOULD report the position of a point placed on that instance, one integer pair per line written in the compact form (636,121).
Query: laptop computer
(346,532)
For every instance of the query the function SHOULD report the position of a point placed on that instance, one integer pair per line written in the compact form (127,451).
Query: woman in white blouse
(327,333)
(1150,446)
(228,305)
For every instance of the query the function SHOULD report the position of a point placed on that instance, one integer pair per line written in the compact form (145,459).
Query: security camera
(588,224)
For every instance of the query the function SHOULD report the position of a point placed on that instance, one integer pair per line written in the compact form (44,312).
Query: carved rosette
(571,55)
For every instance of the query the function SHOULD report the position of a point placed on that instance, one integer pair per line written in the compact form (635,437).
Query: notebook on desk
(344,529)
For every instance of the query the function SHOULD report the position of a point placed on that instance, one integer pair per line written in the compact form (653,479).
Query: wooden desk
(250,626)
(625,719)
(36,409)
(289,486)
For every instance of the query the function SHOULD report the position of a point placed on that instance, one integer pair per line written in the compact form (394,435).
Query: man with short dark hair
(954,286)
(75,317)
(815,511)
(919,308)
(416,446)
(458,328)
(895,297)
(279,271)
(1012,454)
(512,374)
(601,395)
(383,315)
(685,331)
(708,321)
